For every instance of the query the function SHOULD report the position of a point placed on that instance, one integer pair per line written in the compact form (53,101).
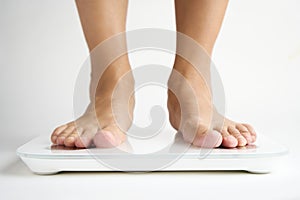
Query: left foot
(199,128)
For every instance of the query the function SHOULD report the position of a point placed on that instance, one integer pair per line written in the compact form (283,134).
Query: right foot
(100,125)
(192,112)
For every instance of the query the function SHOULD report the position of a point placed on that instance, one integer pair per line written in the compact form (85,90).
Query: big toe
(210,139)
(107,139)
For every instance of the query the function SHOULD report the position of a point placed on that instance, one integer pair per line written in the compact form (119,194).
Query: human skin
(198,19)
(101,20)
(201,20)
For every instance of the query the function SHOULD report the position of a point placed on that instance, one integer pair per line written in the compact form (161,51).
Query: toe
(57,131)
(251,131)
(236,133)
(109,137)
(105,139)
(210,139)
(85,140)
(244,131)
(63,135)
(71,138)
(228,140)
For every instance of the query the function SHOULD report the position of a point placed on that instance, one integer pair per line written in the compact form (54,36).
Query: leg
(100,20)
(201,20)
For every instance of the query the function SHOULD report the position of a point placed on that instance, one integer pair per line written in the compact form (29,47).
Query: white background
(42,49)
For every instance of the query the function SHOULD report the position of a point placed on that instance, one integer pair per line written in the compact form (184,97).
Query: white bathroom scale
(170,154)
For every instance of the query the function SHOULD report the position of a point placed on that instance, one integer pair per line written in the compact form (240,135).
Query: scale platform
(136,156)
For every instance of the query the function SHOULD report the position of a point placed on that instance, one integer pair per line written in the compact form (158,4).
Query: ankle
(191,69)
(184,67)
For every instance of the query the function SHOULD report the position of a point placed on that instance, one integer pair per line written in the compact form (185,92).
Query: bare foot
(107,118)
(191,112)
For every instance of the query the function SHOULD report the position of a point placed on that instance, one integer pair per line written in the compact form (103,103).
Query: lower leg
(100,21)
(201,20)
